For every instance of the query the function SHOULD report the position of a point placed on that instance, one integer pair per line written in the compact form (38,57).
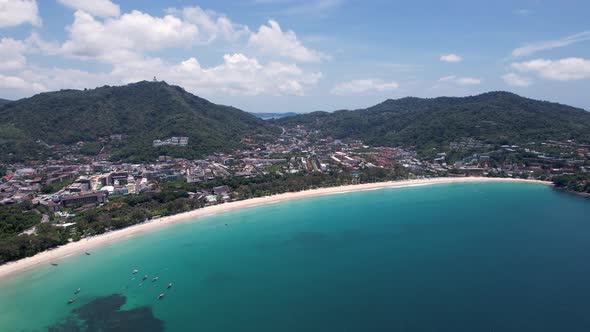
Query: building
(178,141)
(221,190)
(90,198)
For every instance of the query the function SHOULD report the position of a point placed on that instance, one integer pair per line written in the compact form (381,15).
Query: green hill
(494,117)
(141,112)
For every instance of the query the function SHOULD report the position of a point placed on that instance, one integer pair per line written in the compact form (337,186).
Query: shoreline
(80,247)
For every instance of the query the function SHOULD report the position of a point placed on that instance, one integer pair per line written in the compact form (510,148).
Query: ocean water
(453,257)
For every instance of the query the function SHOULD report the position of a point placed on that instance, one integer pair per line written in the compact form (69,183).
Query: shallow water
(452,257)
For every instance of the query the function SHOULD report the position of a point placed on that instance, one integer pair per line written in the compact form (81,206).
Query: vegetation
(51,188)
(17,146)
(142,112)
(579,182)
(21,246)
(17,218)
(494,117)
(172,198)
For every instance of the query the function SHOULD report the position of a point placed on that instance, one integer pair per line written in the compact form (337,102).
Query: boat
(54,264)
(155,279)
(87,253)
(169,285)
(134,271)
(70,301)
(144,277)
(161,296)
(77,291)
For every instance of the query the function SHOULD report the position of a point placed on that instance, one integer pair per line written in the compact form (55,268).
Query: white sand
(76,248)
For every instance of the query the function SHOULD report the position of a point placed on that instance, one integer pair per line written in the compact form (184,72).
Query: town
(76,182)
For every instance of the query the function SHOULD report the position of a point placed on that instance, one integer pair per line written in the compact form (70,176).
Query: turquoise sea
(454,257)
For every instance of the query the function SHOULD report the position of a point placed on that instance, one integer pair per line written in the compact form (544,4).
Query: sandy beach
(77,248)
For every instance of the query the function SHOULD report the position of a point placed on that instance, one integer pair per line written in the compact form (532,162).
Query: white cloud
(122,38)
(11,53)
(17,12)
(468,81)
(18,83)
(51,79)
(102,8)
(237,75)
(211,24)
(447,78)
(364,86)
(452,58)
(516,80)
(460,80)
(126,43)
(532,48)
(129,36)
(566,69)
(271,40)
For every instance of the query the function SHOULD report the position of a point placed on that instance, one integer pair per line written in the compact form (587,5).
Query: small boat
(87,253)
(134,271)
(70,301)
(54,264)
(169,285)
(155,279)
(144,277)
(77,291)
(161,296)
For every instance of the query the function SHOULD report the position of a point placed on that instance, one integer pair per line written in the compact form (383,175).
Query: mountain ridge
(495,117)
(141,112)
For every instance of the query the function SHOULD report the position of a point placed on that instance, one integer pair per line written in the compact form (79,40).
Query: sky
(300,56)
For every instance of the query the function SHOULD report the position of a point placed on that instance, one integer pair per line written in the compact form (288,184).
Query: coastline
(79,247)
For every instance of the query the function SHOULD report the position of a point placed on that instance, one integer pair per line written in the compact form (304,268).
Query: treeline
(495,118)
(16,146)
(17,218)
(579,182)
(14,220)
(15,247)
(142,111)
(171,198)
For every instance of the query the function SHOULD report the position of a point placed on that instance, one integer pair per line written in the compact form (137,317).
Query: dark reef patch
(105,314)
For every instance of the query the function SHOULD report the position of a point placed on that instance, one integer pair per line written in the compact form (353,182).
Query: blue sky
(289,55)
